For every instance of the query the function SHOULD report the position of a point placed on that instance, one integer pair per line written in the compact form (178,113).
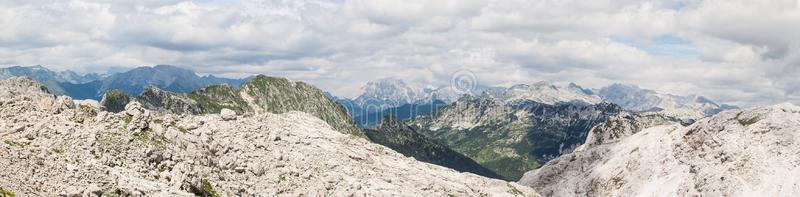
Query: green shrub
(13,143)
(6,193)
(748,122)
(208,189)
(127,119)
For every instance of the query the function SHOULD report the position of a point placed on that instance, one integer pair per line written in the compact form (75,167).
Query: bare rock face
(734,153)
(136,152)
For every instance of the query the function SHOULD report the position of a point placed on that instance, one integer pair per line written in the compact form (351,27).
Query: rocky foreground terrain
(752,152)
(57,146)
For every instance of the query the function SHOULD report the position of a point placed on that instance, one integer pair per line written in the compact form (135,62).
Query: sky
(732,51)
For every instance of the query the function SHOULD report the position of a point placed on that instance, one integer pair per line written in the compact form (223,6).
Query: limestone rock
(228,114)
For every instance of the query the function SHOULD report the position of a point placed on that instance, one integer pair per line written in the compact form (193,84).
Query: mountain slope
(400,137)
(734,153)
(279,95)
(512,138)
(262,94)
(137,152)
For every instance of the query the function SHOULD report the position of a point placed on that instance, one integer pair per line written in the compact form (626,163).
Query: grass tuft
(6,193)
(208,189)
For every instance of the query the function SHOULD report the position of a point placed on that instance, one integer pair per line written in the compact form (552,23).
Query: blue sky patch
(665,45)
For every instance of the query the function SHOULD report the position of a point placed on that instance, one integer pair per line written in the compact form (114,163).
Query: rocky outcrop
(141,153)
(164,101)
(735,153)
(214,98)
(115,100)
(511,138)
(279,95)
(625,124)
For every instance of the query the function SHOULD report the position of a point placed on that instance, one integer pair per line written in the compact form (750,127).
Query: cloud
(740,52)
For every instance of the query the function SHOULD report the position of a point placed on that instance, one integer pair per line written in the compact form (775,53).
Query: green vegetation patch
(511,168)
(127,119)
(748,122)
(6,193)
(213,99)
(146,136)
(57,150)
(115,100)
(514,191)
(208,189)
(13,143)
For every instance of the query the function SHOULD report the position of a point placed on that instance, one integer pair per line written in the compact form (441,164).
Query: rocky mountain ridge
(57,146)
(262,94)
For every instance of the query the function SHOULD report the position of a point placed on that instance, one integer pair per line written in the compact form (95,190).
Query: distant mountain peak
(385,93)
(635,98)
(40,67)
(543,92)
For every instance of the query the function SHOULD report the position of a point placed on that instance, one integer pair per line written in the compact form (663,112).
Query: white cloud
(747,52)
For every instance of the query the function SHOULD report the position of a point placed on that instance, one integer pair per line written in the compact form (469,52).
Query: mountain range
(393,92)
(377,96)
(383,94)
(49,78)
(134,81)
(513,130)
(505,131)
(559,140)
